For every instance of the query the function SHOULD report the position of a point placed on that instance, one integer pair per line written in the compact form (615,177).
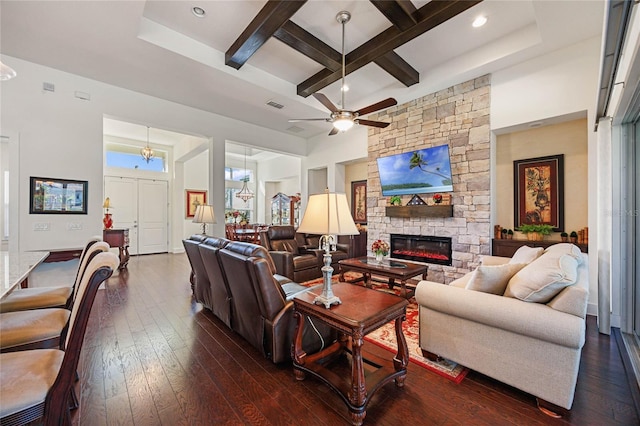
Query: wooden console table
(507,248)
(362,311)
(118,238)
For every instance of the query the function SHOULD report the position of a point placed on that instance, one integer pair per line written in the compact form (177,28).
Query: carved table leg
(367,279)
(358,392)
(402,358)
(297,353)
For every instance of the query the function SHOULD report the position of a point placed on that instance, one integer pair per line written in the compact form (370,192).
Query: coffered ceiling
(162,49)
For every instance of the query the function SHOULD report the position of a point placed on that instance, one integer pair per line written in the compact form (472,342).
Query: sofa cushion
(541,280)
(493,279)
(462,281)
(565,248)
(526,254)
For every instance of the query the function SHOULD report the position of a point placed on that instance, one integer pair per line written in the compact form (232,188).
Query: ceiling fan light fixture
(343,124)
(6,72)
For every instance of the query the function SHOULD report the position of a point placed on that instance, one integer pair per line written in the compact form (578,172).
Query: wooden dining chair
(44,297)
(37,384)
(41,328)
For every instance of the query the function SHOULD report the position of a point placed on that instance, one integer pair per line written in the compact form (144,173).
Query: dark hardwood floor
(153,356)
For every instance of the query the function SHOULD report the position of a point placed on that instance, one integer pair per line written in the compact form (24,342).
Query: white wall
(196,177)
(279,174)
(560,83)
(61,137)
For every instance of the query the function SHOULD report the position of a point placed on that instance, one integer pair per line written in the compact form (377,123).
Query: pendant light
(147,152)
(245,193)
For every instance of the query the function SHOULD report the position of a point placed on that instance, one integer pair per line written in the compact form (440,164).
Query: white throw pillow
(541,280)
(526,254)
(565,248)
(493,279)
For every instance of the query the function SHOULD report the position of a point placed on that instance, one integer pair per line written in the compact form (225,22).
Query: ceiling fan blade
(372,123)
(333,131)
(326,102)
(295,120)
(389,102)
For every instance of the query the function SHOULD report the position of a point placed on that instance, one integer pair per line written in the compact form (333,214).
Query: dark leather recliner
(217,297)
(294,262)
(193,254)
(312,241)
(262,307)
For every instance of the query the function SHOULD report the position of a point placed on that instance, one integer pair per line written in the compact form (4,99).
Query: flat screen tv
(421,171)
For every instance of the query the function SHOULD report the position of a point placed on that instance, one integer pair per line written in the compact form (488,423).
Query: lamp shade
(107,203)
(328,213)
(204,214)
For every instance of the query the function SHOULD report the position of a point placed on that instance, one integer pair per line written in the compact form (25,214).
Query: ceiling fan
(344,119)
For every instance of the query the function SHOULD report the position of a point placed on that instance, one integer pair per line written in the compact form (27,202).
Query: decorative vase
(107,221)
(379,257)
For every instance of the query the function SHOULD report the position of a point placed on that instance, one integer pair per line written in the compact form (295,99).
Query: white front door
(152,216)
(141,206)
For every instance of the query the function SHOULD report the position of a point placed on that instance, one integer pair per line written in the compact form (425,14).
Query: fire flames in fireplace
(422,248)
(419,253)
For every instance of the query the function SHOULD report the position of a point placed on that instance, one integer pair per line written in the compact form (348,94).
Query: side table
(118,238)
(362,311)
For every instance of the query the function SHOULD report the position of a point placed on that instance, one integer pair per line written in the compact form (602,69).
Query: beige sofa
(534,347)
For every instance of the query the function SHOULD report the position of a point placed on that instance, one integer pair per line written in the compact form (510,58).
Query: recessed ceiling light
(479,21)
(345,88)
(198,11)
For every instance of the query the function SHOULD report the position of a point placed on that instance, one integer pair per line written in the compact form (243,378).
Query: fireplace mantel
(420,211)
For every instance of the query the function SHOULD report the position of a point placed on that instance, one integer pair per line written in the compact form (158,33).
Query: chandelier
(147,152)
(245,193)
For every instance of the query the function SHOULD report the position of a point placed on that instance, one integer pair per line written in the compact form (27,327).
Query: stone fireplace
(457,116)
(421,248)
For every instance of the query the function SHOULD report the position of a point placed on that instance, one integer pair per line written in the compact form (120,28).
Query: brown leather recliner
(294,262)
(262,307)
(312,241)
(197,268)
(217,297)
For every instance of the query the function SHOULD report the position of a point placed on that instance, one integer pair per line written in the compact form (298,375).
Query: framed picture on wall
(57,196)
(194,199)
(539,191)
(359,201)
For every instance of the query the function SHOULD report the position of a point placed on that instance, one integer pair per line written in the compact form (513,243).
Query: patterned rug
(385,336)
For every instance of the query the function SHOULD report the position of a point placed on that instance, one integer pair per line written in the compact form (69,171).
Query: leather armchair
(262,307)
(312,241)
(294,262)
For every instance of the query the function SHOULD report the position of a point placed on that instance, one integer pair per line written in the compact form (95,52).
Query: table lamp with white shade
(328,215)
(204,214)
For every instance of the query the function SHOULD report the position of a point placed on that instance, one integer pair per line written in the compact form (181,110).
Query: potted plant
(503,234)
(395,200)
(564,236)
(437,198)
(381,249)
(536,232)
(573,237)
(510,234)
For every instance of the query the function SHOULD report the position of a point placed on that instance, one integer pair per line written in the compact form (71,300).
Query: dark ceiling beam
(306,43)
(399,12)
(271,17)
(429,16)
(399,68)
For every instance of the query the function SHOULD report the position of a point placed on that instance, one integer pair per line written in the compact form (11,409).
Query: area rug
(385,336)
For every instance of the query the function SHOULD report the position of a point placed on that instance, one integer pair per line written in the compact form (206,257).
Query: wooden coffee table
(392,269)
(362,311)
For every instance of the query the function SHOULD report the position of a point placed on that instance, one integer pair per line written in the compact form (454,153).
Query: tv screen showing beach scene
(415,172)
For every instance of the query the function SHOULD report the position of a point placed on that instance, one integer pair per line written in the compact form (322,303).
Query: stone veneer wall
(458,116)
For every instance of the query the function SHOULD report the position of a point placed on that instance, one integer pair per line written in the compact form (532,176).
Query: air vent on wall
(275,104)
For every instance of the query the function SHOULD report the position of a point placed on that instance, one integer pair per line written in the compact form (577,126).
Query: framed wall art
(57,196)
(359,201)
(193,200)
(539,191)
